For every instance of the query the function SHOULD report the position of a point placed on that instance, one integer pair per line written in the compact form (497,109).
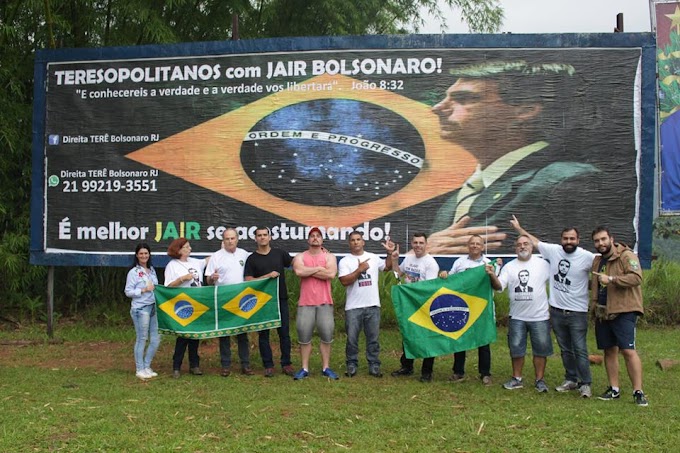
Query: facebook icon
(53,139)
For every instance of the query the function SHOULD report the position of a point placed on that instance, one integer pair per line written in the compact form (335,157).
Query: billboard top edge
(546,40)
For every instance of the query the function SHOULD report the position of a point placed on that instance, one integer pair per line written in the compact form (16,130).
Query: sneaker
(330,374)
(486,380)
(610,394)
(640,399)
(513,384)
(300,375)
(585,391)
(457,377)
(541,386)
(151,372)
(351,371)
(176,374)
(566,386)
(268,372)
(226,372)
(143,375)
(375,372)
(288,370)
(196,371)
(247,371)
(402,372)
(425,377)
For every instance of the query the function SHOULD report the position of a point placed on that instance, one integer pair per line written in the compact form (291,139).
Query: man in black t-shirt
(268,262)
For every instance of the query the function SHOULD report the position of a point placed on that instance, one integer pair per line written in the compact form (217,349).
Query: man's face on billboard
(474,115)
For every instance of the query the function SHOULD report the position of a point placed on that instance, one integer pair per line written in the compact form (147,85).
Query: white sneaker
(566,386)
(151,372)
(143,375)
(585,391)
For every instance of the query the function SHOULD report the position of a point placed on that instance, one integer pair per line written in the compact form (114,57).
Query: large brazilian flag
(438,317)
(218,311)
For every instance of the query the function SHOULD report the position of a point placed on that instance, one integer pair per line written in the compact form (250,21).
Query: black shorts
(620,331)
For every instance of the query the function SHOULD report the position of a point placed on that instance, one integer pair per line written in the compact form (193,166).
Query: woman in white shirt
(184,271)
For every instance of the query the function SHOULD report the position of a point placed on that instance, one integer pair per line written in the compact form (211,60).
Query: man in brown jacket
(616,300)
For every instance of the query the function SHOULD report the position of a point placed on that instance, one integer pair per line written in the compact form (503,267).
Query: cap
(313,229)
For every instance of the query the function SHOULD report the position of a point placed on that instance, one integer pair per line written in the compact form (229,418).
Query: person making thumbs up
(359,273)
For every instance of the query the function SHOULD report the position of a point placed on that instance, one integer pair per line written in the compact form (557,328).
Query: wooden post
(619,23)
(50,301)
(234,27)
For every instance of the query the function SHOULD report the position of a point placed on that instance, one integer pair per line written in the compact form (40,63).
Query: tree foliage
(28,25)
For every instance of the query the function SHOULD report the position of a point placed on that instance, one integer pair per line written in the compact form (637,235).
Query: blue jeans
(284,339)
(243,350)
(146,327)
(541,344)
(368,319)
(571,330)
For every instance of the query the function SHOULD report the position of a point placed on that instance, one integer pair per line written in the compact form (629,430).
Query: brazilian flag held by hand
(218,311)
(442,316)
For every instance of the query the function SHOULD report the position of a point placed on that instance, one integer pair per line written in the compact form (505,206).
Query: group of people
(614,277)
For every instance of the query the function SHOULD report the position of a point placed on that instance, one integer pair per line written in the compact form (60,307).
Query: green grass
(82,396)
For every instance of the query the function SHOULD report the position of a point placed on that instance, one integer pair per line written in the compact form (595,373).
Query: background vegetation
(28,25)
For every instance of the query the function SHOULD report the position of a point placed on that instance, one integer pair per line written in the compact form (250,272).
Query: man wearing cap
(316,267)
(226,268)
(269,262)
(514,117)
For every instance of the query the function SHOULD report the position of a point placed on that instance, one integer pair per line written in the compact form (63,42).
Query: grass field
(82,395)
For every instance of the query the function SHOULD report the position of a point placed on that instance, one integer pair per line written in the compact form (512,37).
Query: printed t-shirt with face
(528,298)
(364,291)
(419,269)
(570,276)
(176,269)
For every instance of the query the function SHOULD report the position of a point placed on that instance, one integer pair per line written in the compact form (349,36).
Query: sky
(557,16)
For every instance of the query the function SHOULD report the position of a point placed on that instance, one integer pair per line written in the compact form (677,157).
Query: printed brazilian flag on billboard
(218,311)
(438,317)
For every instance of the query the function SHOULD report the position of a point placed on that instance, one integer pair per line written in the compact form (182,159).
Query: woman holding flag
(184,271)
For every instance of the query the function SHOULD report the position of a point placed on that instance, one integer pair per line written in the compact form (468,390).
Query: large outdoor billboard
(447,135)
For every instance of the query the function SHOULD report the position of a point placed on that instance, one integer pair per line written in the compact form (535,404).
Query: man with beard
(316,267)
(528,313)
(616,296)
(570,266)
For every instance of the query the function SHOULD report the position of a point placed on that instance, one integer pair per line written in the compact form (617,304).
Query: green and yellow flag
(218,311)
(438,317)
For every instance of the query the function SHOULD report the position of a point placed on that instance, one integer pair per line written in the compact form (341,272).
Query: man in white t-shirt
(570,267)
(526,278)
(359,273)
(416,267)
(474,258)
(226,268)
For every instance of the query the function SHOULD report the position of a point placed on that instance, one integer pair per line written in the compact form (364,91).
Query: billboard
(448,135)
